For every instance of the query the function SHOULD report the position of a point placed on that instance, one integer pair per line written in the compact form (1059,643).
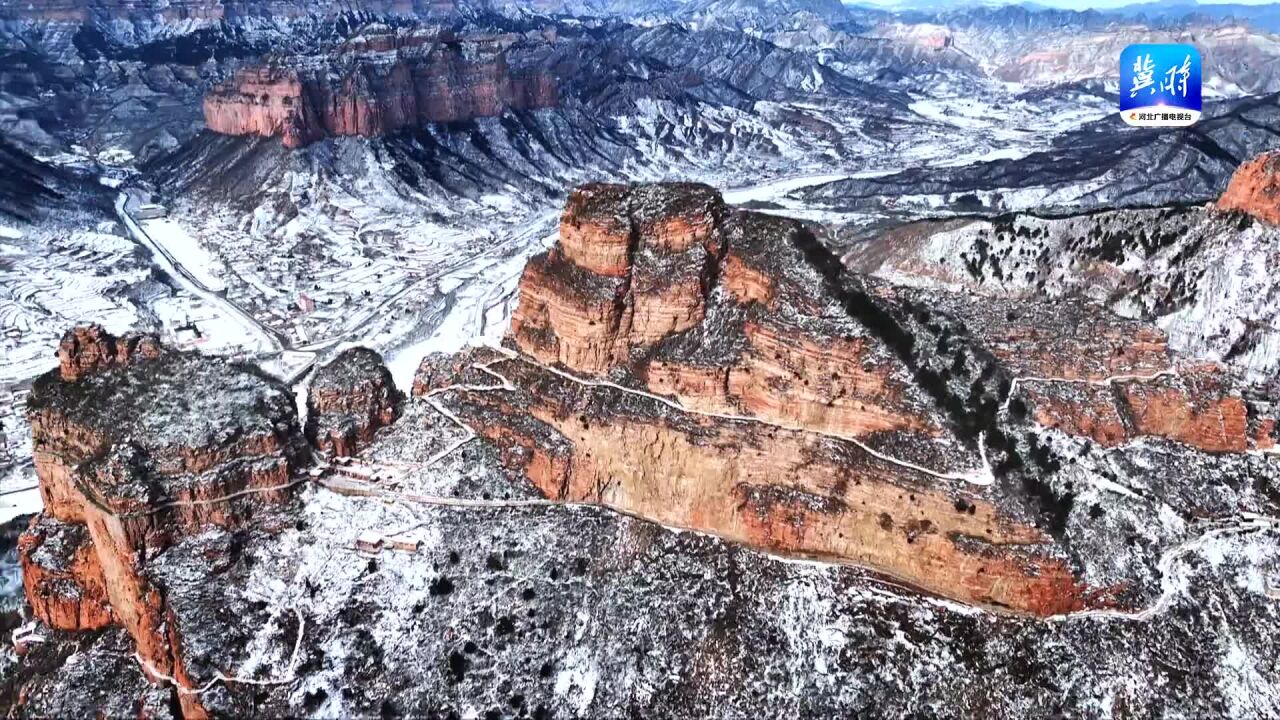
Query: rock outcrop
(744,399)
(1255,189)
(137,447)
(685,363)
(61,576)
(717,369)
(349,399)
(89,349)
(370,90)
(1076,368)
(1196,406)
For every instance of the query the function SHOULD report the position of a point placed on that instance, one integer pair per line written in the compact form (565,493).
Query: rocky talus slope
(981,539)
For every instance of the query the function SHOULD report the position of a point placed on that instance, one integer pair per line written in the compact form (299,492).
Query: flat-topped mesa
(721,370)
(1255,188)
(137,455)
(371,94)
(349,399)
(636,272)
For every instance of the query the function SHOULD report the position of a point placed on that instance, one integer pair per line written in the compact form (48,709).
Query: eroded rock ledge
(1255,189)
(793,424)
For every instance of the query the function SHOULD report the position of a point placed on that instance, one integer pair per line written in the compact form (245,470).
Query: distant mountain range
(1262,16)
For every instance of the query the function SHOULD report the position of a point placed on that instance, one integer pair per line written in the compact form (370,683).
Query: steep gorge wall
(721,371)
(790,425)
(373,94)
(788,491)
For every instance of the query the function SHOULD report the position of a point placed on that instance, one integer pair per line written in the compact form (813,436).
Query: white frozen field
(201,317)
(1007,125)
(19,494)
(187,253)
(52,279)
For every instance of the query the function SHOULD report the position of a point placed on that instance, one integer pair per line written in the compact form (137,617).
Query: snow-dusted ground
(51,278)
(1208,282)
(475,301)
(588,611)
(202,317)
(18,493)
(187,252)
(323,263)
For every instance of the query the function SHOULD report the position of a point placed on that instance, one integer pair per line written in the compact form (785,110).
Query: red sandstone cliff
(1076,368)
(1255,188)
(89,349)
(670,357)
(137,447)
(372,93)
(62,577)
(1198,406)
(719,378)
(790,426)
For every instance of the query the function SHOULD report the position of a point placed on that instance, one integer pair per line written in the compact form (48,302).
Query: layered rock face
(136,447)
(718,370)
(62,577)
(1255,189)
(773,399)
(1197,406)
(743,400)
(1077,369)
(350,398)
(89,349)
(370,91)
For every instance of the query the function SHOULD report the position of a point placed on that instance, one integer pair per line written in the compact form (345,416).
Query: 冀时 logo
(1160,85)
